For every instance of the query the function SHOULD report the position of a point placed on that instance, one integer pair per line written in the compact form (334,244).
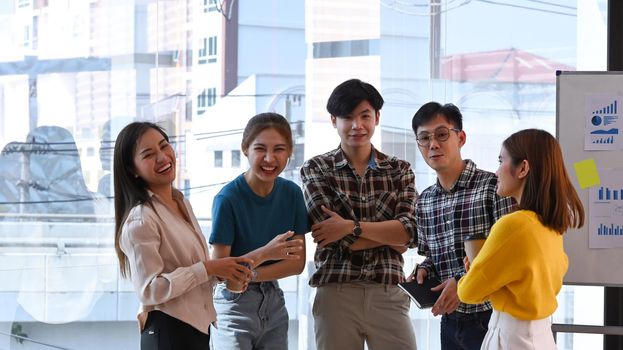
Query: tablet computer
(421,294)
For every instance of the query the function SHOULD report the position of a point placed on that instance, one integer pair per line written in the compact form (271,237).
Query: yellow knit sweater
(519,269)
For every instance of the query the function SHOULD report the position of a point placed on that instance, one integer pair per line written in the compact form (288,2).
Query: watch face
(357,231)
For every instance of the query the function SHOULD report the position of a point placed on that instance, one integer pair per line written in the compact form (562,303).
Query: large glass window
(73,73)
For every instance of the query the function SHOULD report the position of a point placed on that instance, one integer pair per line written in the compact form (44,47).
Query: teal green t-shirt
(246,221)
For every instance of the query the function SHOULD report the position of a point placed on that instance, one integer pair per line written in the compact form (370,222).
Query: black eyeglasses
(441,134)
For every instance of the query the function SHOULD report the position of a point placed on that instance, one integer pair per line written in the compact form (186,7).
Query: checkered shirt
(444,219)
(385,192)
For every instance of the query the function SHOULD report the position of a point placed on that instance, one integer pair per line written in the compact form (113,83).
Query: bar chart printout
(606,210)
(603,123)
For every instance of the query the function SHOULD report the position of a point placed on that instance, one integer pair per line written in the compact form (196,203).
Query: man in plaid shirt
(463,202)
(362,206)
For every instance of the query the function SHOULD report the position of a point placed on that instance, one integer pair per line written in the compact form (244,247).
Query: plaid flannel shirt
(444,219)
(385,192)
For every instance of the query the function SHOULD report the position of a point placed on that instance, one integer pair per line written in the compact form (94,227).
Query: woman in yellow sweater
(522,263)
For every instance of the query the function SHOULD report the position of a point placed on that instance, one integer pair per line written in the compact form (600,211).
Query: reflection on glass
(47,192)
(82,64)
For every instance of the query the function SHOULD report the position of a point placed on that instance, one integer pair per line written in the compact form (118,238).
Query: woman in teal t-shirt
(261,216)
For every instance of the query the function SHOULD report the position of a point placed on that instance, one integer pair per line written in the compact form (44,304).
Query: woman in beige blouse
(160,245)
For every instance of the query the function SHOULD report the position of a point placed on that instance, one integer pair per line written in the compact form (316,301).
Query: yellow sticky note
(586,171)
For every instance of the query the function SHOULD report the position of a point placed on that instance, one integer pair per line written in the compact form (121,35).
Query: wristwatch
(253,275)
(357,229)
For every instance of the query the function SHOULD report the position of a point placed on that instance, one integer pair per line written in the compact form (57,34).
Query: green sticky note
(586,171)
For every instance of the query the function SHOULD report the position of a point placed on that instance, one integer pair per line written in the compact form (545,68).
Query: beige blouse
(166,255)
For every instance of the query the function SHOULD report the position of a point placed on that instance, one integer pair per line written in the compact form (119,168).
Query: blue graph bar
(604,140)
(610,109)
(604,230)
(605,193)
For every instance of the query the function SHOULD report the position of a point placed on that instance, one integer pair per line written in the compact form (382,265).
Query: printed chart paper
(603,123)
(606,211)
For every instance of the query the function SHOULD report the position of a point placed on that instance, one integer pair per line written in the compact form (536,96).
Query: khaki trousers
(348,314)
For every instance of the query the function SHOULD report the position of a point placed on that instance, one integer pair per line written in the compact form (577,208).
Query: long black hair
(130,190)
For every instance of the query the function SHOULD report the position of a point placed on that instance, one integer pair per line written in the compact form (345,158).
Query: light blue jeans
(255,319)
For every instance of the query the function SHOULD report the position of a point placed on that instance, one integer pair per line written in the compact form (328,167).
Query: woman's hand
(230,268)
(282,247)
(466,263)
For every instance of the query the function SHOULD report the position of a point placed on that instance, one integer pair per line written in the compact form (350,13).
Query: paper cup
(233,286)
(236,287)
(473,244)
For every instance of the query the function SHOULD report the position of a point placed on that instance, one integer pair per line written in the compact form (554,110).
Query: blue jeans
(464,331)
(255,319)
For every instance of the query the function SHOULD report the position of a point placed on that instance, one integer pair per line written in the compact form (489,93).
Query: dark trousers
(164,332)
(461,331)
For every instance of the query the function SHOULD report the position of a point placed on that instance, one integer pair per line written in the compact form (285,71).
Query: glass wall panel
(74,72)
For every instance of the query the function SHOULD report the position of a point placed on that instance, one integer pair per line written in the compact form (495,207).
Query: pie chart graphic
(596,120)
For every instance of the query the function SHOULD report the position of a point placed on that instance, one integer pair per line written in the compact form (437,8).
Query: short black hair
(349,94)
(430,110)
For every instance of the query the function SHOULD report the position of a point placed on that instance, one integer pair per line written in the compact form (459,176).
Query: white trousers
(508,333)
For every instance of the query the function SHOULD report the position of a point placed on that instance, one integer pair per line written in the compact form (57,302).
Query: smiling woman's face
(154,160)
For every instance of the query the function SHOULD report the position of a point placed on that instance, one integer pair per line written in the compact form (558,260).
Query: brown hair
(264,121)
(548,190)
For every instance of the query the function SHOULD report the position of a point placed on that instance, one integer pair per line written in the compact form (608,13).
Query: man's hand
(332,229)
(448,300)
(418,274)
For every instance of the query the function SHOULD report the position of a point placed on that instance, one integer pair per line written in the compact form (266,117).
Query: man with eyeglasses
(461,203)
(362,206)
